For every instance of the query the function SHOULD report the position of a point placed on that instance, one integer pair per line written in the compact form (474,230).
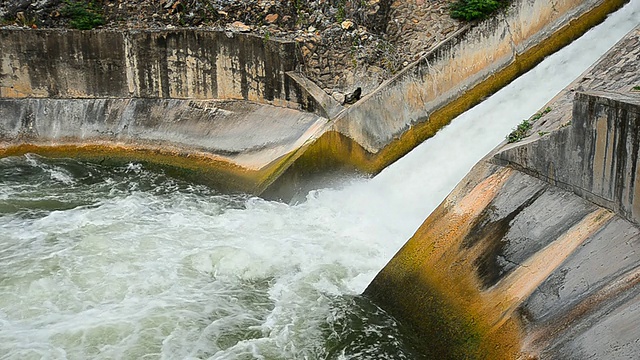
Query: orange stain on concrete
(507,294)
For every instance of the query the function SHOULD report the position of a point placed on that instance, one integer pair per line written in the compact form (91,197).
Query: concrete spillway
(122,262)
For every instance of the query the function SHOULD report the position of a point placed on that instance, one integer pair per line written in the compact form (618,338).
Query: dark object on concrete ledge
(353,97)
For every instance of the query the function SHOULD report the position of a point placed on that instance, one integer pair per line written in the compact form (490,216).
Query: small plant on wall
(83,15)
(469,10)
(522,130)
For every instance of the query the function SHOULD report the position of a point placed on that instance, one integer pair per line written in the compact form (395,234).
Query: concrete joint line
(514,49)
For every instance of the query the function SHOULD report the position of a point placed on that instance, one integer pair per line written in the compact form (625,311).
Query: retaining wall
(374,132)
(179,64)
(596,157)
(534,253)
(224,107)
(457,74)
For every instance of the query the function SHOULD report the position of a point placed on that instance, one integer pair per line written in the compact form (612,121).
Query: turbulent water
(124,262)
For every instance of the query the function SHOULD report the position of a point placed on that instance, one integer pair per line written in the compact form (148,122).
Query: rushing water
(123,262)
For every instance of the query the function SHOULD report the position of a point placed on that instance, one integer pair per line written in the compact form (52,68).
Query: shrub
(521,131)
(82,15)
(475,9)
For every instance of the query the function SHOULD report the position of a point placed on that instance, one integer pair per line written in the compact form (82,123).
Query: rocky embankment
(345,44)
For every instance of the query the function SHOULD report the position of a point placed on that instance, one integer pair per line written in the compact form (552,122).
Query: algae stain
(432,285)
(491,233)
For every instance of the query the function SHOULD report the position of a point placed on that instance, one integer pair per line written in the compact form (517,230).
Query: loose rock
(347,25)
(271,18)
(338,96)
(239,27)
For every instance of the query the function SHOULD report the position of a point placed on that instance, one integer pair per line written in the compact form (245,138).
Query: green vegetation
(469,10)
(82,15)
(540,114)
(521,131)
(267,37)
(341,15)
(7,20)
(390,58)
(636,88)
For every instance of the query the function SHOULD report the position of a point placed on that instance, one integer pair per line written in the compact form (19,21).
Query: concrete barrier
(181,64)
(533,254)
(153,95)
(232,145)
(596,157)
(206,65)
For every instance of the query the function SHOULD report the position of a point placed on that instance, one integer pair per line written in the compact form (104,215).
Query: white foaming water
(124,263)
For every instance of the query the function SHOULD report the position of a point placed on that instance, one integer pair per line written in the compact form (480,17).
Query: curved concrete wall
(221,103)
(233,145)
(534,254)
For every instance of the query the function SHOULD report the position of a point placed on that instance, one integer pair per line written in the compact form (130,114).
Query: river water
(124,262)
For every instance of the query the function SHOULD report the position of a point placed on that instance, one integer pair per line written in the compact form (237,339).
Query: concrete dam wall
(190,73)
(534,254)
(180,64)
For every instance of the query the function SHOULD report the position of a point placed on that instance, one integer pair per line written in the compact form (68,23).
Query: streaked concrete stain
(511,291)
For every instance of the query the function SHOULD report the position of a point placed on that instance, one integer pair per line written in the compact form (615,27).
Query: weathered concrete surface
(535,253)
(206,65)
(451,78)
(234,145)
(313,97)
(596,157)
(183,64)
(219,102)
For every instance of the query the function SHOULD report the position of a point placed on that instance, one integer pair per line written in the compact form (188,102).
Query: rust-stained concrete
(535,253)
